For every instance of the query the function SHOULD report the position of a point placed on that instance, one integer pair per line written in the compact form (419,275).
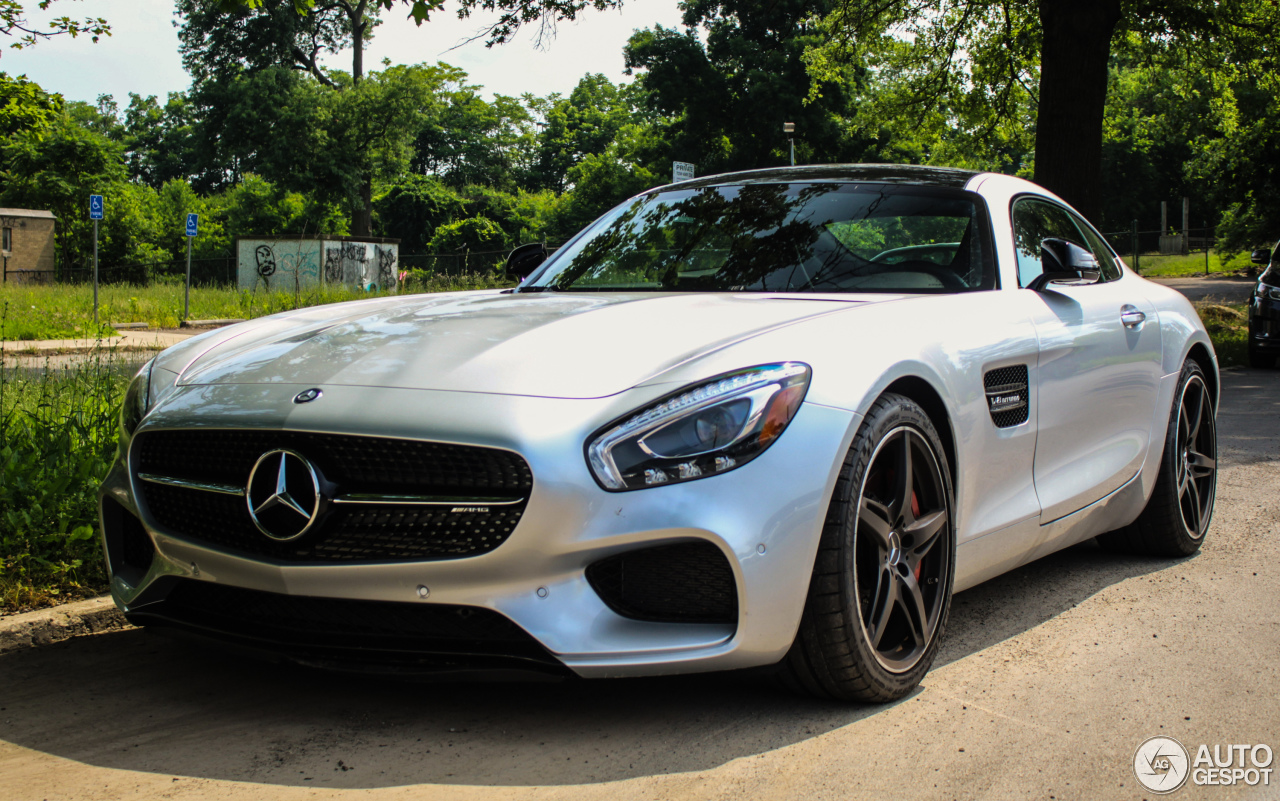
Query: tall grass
(65,311)
(58,432)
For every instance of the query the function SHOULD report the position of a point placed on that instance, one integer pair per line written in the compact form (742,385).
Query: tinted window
(1036,220)
(781,237)
(1101,251)
(1033,222)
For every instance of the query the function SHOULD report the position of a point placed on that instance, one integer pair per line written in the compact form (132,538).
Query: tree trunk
(1073,97)
(362,217)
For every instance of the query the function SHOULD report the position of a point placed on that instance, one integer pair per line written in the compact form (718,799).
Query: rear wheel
(1178,514)
(881,585)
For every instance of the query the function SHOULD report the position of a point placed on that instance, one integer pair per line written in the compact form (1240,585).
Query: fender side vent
(1007,395)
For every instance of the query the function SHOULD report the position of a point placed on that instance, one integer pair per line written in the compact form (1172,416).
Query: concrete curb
(47,626)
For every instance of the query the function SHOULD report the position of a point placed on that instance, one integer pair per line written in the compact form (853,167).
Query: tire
(881,585)
(1178,514)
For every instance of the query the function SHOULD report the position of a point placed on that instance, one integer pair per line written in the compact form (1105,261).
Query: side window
(1106,261)
(1033,222)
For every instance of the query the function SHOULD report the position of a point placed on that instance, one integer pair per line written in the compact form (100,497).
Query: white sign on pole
(681,171)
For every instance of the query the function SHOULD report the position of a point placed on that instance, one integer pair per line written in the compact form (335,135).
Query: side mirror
(525,259)
(1065,262)
(1260,256)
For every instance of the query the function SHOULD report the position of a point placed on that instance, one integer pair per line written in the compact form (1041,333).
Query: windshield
(813,237)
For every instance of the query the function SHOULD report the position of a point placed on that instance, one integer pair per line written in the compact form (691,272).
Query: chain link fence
(1159,247)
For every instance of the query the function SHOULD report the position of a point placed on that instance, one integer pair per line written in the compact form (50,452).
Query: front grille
(689,582)
(357,464)
(297,623)
(365,532)
(1007,395)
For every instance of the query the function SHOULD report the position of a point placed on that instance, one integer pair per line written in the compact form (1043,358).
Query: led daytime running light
(710,392)
(759,387)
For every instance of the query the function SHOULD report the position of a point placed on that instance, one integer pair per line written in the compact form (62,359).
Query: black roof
(870,173)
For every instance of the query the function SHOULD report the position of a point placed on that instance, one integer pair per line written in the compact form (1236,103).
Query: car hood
(549,345)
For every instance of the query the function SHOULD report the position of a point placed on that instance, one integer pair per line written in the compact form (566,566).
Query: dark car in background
(1264,310)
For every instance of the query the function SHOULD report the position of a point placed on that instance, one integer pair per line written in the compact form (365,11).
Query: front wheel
(881,585)
(1178,513)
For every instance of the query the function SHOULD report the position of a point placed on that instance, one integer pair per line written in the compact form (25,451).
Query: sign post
(193,226)
(95,214)
(681,171)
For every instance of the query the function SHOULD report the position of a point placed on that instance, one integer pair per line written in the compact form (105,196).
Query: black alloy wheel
(881,585)
(1180,509)
(897,564)
(1197,457)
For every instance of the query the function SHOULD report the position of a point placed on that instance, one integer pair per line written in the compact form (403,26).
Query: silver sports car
(772,418)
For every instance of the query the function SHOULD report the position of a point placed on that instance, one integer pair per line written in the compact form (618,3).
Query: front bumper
(1264,325)
(765,516)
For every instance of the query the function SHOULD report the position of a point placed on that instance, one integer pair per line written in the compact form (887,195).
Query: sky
(141,55)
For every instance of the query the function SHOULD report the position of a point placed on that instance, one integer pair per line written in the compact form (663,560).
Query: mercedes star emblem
(308,395)
(283,494)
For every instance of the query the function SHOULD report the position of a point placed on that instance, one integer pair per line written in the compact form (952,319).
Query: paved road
(1049,679)
(1230,289)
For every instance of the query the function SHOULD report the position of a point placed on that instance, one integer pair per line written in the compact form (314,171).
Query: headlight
(1266,291)
(137,399)
(700,431)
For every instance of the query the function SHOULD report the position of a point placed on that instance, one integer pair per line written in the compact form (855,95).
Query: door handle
(1130,316)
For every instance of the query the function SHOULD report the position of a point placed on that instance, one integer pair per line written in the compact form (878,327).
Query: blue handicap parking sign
(95,207)
(193,223)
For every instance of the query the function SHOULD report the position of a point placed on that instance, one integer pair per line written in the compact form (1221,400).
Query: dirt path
(1049,679)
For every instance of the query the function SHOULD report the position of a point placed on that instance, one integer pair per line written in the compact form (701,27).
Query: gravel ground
(1048,680)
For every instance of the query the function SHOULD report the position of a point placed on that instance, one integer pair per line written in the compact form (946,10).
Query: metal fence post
(1136,267)
(95,276)
(186,295)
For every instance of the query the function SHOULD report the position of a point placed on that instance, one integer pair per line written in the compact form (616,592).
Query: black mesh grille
(1007,396)
(357,464)
(689,582)
(343,533)
(363,533)
(129,547)
(296,622)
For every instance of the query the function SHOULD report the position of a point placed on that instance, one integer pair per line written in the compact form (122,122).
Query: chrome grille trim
(186,483)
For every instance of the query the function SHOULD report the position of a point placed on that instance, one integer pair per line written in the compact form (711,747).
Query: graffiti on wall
(296,264)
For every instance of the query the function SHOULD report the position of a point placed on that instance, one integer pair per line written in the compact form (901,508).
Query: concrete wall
(31,247)
(283,265)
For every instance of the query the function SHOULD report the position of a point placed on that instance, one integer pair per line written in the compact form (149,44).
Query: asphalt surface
(1049,679)
(1218,287)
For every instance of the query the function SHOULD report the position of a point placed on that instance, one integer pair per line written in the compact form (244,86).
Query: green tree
(159,138)
(24,106)
(728,99)
(473,234)
(57,168)
(582,124)
(13,22)
(957,55)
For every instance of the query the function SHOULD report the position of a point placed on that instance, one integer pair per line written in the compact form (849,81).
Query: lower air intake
(689,582)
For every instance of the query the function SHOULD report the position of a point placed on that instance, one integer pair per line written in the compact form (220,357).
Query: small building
(27,245)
